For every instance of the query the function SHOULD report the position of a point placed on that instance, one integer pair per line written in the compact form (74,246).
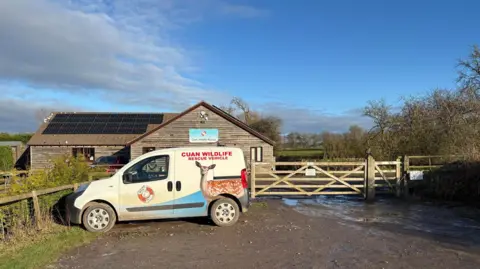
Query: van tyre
(99,218)
(224,212)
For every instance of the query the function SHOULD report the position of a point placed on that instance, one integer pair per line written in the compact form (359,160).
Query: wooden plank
(326,187)
(10,199)
(423,167)
(338,179)
(435,156)
(313,186)
(36,210)
(312,193)
(283,180)
(16,198)
(319,163)
(311,179)
(383,176)
(279,172)
(387,163)
(56,189)
(388,170)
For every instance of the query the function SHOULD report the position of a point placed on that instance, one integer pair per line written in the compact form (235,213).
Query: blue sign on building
(203,135)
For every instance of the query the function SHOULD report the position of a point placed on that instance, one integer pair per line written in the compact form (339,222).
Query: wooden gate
(324,178)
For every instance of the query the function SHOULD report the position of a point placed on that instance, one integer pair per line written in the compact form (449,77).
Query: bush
(6,158)
(16,218)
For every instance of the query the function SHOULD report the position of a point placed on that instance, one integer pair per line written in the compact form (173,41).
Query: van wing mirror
(127,178)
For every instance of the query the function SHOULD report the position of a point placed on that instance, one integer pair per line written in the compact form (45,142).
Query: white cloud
(120,47)
(298,119)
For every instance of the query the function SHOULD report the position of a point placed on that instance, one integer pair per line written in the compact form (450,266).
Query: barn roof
(114,129)
(216,110)
(95,128)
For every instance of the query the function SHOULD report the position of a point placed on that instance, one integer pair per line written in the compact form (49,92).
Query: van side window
(150,169)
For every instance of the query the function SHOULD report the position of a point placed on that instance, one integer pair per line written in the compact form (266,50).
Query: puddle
(458,224)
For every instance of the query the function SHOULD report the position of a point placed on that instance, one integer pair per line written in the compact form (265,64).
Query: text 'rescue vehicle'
(167,183)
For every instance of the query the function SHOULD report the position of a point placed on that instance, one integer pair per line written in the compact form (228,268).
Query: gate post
(398,175)
(370,179)
(252,178)
(405,175)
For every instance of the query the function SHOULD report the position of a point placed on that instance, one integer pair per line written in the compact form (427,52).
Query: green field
(318,152)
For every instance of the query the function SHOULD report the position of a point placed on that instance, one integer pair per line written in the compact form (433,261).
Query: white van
(167,183)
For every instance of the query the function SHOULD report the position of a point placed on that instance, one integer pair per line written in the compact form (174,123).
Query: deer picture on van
(213,188)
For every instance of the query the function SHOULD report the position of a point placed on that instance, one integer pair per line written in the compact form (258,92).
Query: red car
(110,163)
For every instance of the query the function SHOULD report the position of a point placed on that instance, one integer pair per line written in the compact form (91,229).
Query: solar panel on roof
(101,123)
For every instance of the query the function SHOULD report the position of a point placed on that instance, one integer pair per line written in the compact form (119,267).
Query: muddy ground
(271,235)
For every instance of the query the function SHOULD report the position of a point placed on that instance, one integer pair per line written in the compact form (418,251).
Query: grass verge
(46,249)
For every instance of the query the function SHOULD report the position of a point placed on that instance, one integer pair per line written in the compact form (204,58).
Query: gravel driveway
(270,235)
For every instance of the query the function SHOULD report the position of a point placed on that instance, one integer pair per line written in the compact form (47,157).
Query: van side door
(146,190)
(191,169)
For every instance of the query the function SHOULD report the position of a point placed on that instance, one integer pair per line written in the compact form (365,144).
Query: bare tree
(243,106)
(469,71)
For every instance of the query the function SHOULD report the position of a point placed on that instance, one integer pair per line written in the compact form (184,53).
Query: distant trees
(443,122)
(302,140)
(23,137)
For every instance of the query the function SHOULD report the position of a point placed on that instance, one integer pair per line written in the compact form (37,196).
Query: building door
(148,190)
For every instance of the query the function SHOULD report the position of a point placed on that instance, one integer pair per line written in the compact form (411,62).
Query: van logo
(145,194)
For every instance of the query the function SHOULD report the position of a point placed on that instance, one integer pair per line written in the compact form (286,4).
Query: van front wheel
(99,217)
(224,212)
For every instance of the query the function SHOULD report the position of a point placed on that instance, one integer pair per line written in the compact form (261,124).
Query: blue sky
(314,63)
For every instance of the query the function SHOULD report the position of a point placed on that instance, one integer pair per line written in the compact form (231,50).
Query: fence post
(36,210)
(405,175)
(370,180)
(75,186)
(252,178)
(398,175)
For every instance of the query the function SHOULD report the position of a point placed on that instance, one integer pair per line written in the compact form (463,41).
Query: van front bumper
(74,214)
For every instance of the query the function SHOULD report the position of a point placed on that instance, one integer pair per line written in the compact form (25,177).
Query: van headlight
(82,187)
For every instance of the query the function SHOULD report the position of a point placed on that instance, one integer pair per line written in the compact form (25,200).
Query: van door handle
(169,186)
(178,185)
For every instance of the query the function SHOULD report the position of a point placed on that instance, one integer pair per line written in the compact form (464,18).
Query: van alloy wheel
(224,212)
(98,217)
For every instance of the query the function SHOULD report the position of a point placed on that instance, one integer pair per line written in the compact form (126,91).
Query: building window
(256,154)
(147,149)
(150,169)
(87,153)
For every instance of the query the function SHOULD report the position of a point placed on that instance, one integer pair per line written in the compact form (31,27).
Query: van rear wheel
(99,218)
(224,212)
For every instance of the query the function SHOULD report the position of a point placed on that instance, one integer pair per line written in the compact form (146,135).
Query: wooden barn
(129,135)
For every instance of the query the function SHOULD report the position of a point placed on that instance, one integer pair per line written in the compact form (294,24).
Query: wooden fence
(34,196)
(430,162)
(363,178)
(6,175)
